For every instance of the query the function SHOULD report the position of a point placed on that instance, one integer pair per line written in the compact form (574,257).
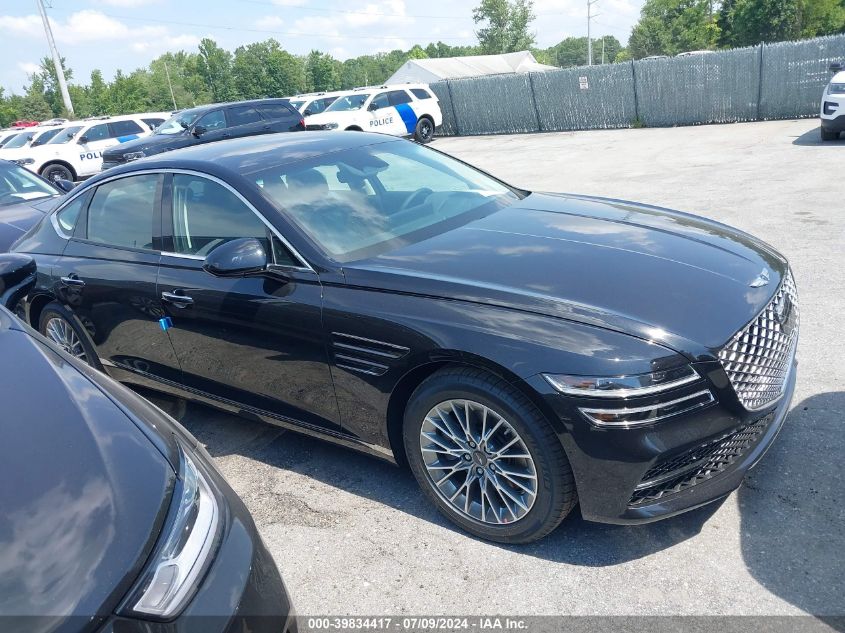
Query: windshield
(178,123)
(65,137)
(370,200)
(19,141)
(45,136)
(348,102)
(17,184)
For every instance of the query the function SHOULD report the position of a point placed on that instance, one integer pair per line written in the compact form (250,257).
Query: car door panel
(256,340)
(111,288)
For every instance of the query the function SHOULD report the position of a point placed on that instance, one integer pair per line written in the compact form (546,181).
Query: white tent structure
(430,70)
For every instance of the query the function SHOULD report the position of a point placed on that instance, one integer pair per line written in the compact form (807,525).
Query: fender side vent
(365,355)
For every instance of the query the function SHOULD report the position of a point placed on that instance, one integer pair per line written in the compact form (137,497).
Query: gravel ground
(352,535)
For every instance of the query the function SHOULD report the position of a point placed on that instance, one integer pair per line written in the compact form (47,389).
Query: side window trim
(167,222)
(54,219)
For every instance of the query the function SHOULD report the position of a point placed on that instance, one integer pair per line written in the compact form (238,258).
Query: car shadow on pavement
(575,542)
(792,509)
(813,137)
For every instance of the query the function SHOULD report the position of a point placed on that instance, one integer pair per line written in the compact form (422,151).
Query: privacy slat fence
(770,81)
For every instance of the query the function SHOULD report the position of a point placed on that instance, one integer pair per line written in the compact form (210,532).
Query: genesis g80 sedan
(520,351)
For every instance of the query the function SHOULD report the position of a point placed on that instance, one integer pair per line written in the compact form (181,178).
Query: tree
(572,51)
(669,27)
(505,27)
(98,94)
(215,67)
(322,72)
(34,106)
(748,22)
(50,81)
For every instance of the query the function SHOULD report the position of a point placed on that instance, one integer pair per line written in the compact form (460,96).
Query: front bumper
(836,124)
(242,590)
(108,163)
(639,475)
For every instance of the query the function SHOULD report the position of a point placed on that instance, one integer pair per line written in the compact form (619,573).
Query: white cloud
(29,68)
(269,22)
(129,4)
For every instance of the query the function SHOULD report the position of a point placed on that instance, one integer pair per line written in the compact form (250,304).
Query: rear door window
(398,97)
(125,128)
(242,115)
(121,212)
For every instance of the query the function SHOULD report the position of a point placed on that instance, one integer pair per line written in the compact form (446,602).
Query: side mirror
(17,276)
(198,130)
(372,107)
(82,140)
(237,257)
(308,112)
(836,67)
(64,185)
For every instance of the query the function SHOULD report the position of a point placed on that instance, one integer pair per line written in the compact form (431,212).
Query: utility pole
(57,60)
(590,16)
(170,85)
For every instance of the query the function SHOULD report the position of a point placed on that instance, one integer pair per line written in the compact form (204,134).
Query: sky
(128,34)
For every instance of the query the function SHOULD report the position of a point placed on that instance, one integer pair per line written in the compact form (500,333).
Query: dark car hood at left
(83,491)
(17,219)
(154,144)
(660,275)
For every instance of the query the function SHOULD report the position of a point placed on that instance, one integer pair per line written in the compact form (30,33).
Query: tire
(474,391)
(57,323)
(424,131)
(57,171)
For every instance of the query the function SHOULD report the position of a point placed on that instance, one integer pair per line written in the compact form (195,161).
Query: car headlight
(622,386)
(616,390)
(184,548)
(133,155)
(329,126)
(24,161)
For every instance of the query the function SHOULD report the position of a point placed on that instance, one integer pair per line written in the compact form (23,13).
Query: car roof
(256,153)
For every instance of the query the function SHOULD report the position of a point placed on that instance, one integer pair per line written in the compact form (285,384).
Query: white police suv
(77,151)
(313,103)
(405,110)
(833,105)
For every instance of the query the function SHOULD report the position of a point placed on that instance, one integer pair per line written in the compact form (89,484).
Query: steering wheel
(422,191)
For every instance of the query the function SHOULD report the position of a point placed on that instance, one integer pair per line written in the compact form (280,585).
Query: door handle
(72,280)
(180,301)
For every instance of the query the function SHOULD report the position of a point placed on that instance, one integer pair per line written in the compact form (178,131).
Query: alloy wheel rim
(477,462)
(62,334)
(426,131)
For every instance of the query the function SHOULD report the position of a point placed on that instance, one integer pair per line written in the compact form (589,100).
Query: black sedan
(24,199)
(114,518)
(521,351)
(207,124)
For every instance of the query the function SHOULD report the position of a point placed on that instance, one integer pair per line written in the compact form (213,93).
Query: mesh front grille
(681,472)
(758,358)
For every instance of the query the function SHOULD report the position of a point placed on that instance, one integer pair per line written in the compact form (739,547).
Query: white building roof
(435,69)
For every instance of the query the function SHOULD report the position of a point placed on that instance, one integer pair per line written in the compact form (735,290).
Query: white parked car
(314,103)
(405,110)
(17,146)
(832,113)
(77,151)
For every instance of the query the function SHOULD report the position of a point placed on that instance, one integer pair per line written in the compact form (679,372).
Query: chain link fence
(769,81)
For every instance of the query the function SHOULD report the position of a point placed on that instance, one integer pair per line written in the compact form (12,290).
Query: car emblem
(761,280)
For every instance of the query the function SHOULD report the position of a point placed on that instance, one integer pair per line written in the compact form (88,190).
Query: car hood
(17,219)
(83,490)
(153,144)
(662,275)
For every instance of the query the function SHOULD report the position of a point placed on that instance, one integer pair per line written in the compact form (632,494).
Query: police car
(77,151)
(406,110)
(18,145)
(314,102)
(833,105)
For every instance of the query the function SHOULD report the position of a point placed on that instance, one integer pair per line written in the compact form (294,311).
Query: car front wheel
(486,457)
(56,172)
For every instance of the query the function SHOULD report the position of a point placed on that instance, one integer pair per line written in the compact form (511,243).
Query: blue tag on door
(166,323)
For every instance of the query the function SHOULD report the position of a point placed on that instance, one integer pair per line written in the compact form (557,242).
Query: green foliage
(505,27)
(322,72)
(669,27)
(572,51)
(215,68)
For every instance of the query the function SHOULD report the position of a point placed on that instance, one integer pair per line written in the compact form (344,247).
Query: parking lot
(353,535)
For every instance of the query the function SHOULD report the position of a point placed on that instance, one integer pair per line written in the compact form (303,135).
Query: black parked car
(210,123)
(24,199)
(114,518)
(522,351)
